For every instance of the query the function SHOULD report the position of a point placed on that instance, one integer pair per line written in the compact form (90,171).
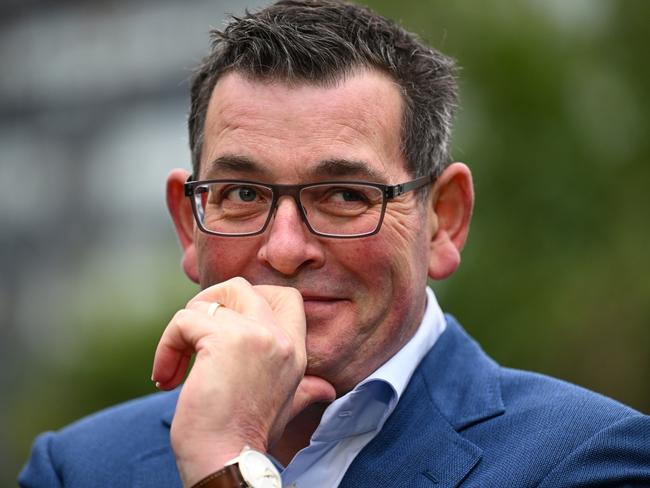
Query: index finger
(236,294)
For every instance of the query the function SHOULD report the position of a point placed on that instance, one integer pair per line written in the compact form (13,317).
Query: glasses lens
(342,209)
(233,207)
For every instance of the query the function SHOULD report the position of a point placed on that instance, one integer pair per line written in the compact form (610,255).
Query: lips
(316,298)
(321,307)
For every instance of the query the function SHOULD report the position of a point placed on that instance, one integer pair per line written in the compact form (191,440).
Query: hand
(248,378)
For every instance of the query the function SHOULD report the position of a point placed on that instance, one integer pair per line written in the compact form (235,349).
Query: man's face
(363,297)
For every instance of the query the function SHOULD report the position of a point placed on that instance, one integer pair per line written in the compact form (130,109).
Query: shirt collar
(397,371)
(371,402)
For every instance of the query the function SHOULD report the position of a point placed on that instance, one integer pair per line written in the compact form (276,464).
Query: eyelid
(261,191)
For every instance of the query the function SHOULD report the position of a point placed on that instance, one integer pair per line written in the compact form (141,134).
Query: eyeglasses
(340,209)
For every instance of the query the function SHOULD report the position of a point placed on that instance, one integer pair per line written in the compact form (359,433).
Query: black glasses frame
(388,192)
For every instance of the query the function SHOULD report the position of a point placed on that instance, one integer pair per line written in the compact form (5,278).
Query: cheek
(397,254)
(220,260)
(405,240)
(369,260)
(405,256)
(388,268)
(407,273)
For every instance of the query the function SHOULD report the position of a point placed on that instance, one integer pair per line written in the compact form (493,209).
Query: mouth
(321,306)
(318,298)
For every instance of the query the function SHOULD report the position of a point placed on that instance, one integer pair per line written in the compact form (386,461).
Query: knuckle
(238,282)
(263,339)
(267,343)
(288,352)
(285,349)
(180,318)
(196,304)
(184,319)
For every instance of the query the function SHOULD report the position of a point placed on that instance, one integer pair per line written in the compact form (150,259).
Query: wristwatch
(251,469)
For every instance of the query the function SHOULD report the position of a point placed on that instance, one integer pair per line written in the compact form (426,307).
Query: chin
(322,364)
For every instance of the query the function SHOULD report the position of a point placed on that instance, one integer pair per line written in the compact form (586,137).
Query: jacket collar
(456,385)
(462,381)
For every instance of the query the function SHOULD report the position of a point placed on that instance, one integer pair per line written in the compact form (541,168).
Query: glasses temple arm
(394,191)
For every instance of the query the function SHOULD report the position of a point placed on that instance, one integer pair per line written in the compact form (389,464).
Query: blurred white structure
(93,104)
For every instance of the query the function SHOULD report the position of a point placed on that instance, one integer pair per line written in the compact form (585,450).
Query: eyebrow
(236,165)
(346,167)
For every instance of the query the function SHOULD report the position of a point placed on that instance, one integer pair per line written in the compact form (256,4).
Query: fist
(247,380)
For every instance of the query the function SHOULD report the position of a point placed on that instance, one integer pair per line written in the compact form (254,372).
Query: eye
(241,193)
(347,195)
(341,200)
(247,194)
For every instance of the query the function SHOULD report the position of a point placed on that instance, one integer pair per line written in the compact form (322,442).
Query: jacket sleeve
(618,455)
(40,472)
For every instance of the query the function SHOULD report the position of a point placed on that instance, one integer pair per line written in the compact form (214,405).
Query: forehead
(292,132)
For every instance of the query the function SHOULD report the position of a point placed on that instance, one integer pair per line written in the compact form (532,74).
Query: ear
(180,209)
(452,201)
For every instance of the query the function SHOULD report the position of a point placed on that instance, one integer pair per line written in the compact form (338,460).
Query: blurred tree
(554,125)
(555,275)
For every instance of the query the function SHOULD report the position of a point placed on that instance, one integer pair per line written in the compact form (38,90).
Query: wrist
(227,477)
(194,467)
(197,458)
(250,469)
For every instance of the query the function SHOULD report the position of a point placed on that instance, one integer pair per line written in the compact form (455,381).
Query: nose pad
(298,209)
(288,244)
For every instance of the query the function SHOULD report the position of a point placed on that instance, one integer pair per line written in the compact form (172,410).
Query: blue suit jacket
(462,421)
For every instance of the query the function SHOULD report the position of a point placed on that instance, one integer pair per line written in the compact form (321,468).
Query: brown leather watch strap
(226,477)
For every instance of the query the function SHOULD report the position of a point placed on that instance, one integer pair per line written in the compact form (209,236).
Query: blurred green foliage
(555,275)
(554,125)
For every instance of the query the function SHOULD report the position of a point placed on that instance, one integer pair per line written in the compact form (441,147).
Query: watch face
(258,471)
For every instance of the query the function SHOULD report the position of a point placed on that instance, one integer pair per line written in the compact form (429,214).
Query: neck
(298,433)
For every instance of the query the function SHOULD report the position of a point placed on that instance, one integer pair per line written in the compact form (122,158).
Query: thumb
(311,389)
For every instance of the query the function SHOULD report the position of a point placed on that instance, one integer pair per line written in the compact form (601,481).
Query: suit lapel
(416,448)
(462,381)
(455,386)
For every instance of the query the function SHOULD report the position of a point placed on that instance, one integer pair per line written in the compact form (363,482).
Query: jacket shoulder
(127,427)
(102,445)
(531,427)
(535,395)
(558,432)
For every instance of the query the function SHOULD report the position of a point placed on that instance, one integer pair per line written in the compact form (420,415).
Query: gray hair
(322,41)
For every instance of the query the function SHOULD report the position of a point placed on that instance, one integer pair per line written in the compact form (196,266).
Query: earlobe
(180,210)
(444,260)
(452,201)
(190,265)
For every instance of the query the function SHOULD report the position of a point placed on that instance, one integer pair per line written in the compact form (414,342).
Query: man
(321,198)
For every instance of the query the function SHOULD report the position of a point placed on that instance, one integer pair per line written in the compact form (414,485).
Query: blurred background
(93,101)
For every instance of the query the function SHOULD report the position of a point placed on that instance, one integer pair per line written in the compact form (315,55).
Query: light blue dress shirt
(352,421)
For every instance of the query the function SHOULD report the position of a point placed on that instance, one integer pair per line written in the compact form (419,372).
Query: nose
(288,245)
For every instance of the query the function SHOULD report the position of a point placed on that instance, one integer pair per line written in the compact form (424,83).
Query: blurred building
(93,102)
